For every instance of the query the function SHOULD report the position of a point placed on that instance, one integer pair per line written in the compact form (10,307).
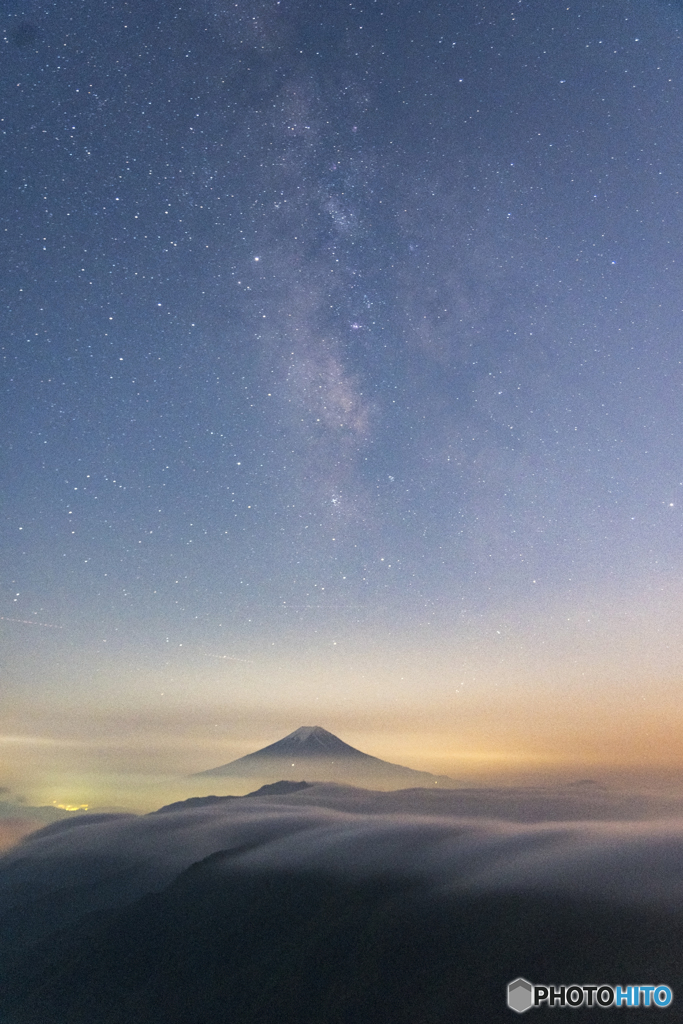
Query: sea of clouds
(590,844)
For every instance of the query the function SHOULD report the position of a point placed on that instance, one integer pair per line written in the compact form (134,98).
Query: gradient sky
(341,385)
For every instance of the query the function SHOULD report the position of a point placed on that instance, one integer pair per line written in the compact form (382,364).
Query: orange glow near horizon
(523,697)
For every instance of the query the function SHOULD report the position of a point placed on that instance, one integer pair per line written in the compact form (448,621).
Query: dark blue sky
(327,319)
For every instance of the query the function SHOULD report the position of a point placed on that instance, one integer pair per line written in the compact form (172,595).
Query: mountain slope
(220,944)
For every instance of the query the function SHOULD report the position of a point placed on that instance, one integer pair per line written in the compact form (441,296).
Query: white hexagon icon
(520,995)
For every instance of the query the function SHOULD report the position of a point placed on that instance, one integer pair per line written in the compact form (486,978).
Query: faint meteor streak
(31,622)
(228,657)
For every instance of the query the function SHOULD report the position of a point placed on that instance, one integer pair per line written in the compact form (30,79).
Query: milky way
(343,342)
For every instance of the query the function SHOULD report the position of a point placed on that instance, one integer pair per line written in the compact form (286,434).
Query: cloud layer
(567,841)
(339,904)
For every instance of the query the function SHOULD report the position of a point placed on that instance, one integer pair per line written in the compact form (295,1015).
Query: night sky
(341,385)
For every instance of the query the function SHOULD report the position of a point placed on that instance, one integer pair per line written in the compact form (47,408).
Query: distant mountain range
(316,755)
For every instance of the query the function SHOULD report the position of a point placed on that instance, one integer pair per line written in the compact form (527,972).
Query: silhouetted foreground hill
(300,948)
(321,756)
(321,908)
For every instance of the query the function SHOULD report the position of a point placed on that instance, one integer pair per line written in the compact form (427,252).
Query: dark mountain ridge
(282,788)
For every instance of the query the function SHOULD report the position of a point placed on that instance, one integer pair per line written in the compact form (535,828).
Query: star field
(345,331)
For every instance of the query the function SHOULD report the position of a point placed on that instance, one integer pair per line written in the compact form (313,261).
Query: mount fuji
(319,756)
